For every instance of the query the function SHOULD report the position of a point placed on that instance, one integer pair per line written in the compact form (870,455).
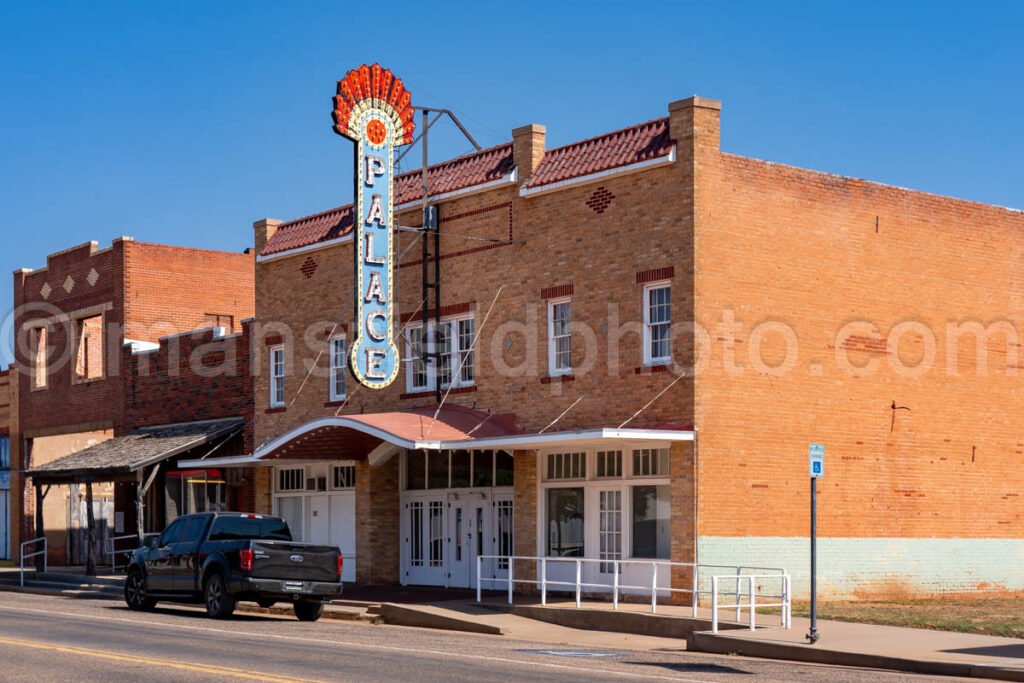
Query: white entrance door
(467,539)
(318,520)
(343,531)
(609,538)
(423,538)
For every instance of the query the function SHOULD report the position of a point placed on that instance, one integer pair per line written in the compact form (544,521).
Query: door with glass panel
(424,539)
(467,524)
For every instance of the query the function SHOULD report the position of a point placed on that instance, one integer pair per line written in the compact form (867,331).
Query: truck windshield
(242,528)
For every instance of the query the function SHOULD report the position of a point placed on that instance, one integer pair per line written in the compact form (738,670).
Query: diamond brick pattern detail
(92,278)
(309,267)
(600,200)
(69,284)
(46,290)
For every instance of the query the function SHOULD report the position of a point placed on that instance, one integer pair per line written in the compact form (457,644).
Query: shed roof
(128,453)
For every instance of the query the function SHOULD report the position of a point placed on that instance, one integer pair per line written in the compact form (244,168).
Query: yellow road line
(135,659)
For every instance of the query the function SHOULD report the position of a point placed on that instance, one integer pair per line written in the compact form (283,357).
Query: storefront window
(460,469)
(191,491)
(437,470)
(483,469)
(565,522)
(415,470)
(650,521)
(504,469)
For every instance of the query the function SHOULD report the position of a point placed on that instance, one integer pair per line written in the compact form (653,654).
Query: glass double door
(445,532)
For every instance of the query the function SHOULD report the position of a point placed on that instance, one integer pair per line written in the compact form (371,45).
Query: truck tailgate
(296,561)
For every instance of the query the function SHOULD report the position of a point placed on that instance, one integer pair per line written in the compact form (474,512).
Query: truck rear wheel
(135,593)
(307,610)
(219,604)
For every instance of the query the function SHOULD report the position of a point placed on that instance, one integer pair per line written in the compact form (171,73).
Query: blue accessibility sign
(816,454)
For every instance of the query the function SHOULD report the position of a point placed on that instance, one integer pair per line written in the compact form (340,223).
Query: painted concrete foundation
(865,568)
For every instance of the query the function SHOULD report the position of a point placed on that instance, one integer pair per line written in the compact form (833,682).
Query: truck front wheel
(306,610)
(219,604)
(135,593)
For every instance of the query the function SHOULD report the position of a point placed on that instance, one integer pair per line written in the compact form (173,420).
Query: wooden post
(90,557)
(139,493)
(39,524)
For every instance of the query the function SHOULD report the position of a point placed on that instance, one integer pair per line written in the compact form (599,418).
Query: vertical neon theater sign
(374,110)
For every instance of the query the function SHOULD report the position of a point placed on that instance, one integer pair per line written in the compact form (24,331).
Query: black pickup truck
(219,558)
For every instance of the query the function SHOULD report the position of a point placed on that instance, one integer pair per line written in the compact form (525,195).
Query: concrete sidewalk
(882,647)
(940,653)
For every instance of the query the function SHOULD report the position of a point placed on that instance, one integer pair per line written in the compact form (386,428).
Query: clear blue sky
(183,122)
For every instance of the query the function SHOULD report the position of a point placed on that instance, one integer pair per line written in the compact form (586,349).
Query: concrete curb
(420,617)
(724,645)
(60,592)
(636,623)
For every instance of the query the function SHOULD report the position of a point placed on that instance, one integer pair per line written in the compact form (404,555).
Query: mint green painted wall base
(861,567)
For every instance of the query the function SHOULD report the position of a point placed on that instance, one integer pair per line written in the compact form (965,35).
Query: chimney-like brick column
(263,230)
(694,122)
(528,149)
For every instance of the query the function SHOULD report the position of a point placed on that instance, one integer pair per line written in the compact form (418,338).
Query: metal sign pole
(813,636)
(816,457)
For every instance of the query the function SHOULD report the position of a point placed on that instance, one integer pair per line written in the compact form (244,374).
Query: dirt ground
(997,616)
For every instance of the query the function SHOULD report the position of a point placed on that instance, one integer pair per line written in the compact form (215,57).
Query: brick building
(73,377)
(6,424)
(606,301)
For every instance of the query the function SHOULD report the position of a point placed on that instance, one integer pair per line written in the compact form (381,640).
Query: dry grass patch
(990,616)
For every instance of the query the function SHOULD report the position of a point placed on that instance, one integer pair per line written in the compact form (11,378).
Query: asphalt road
(58,639)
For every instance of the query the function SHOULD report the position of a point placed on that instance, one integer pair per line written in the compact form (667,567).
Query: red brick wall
(5,402)
(191,377)
(173,289)
(81,279)
(812,252)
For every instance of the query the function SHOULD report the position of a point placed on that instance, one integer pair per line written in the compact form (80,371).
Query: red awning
(353,437)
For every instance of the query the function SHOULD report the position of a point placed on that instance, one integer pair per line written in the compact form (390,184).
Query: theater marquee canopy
(378,436)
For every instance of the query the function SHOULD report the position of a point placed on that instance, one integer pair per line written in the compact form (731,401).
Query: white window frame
(553,370)
(276,381)
(452,322)
(289,492)
(648,358)
(338,371)
(39,348)
(332,476)
(592,485)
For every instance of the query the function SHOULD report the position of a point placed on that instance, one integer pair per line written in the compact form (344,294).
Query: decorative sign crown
(373,87)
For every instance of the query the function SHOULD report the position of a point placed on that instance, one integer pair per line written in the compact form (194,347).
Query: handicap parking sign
(816,453)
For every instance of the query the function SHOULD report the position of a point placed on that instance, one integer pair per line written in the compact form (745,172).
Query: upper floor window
(5,452)
(658,324)
(39,352)
(339,368)
(454,364)
(89,348)
(560,337)
(277,369)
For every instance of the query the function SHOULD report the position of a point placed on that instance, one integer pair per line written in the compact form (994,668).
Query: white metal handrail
(784,604)
(21,550)
(112,547)
(616,586)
